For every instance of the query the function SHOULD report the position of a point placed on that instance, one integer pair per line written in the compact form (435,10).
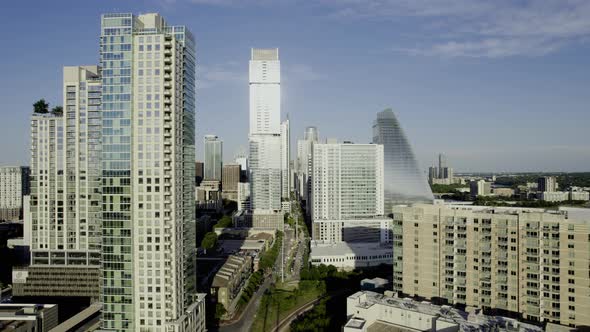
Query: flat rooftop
(468,322)
(351,248)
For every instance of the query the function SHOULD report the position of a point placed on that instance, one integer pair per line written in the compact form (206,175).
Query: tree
(224,222)
(219,310)
(57,110)
(209,241)
(41,106)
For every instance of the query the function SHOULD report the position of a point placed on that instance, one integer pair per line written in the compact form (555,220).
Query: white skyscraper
(285,160)
(265,131)
(148,280)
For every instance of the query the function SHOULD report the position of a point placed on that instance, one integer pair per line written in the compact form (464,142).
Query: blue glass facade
(116,59)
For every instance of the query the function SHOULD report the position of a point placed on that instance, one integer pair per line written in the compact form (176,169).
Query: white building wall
(10,187)
(265,130)
(347,181)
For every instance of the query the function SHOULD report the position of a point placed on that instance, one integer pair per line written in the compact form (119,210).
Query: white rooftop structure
(350,255)
(370,311)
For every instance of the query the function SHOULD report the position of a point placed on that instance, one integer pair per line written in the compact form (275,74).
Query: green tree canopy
(224,222)
(209,241)
(41,106)
(57,110)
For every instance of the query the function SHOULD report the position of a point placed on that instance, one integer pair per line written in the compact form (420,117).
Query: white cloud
(479,28)
(461,28)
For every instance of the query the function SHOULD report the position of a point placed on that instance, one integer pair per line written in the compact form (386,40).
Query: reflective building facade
(148,175)
(404,182)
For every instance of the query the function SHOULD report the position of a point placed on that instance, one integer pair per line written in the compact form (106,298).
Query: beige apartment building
(533,262)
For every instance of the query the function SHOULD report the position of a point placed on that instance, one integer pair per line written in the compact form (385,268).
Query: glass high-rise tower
(404,182)
(148,172)
(213,147)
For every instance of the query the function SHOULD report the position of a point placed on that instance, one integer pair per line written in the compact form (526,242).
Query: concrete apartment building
(14,184)
(547,183)
(65,200)
(480,188)
(531,262)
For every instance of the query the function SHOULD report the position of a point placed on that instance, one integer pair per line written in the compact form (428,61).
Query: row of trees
(42,107)
(270,256)
(252,286)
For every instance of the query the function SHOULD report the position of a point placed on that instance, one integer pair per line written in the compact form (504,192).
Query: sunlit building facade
(148,280)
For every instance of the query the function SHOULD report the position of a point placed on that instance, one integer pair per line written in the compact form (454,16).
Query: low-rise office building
(531,262)
(28,317)
(503,192)
(579,195)
(553,196)
(348,256)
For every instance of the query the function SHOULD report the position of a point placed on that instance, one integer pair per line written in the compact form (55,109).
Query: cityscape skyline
(493,117)
(154,203)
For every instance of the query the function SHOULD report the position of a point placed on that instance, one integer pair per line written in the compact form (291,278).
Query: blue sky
(496,85)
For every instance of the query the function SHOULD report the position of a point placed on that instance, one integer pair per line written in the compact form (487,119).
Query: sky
(496,85)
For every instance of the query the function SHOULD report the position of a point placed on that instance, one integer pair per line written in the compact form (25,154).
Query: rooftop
(468,322)
(319,248)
